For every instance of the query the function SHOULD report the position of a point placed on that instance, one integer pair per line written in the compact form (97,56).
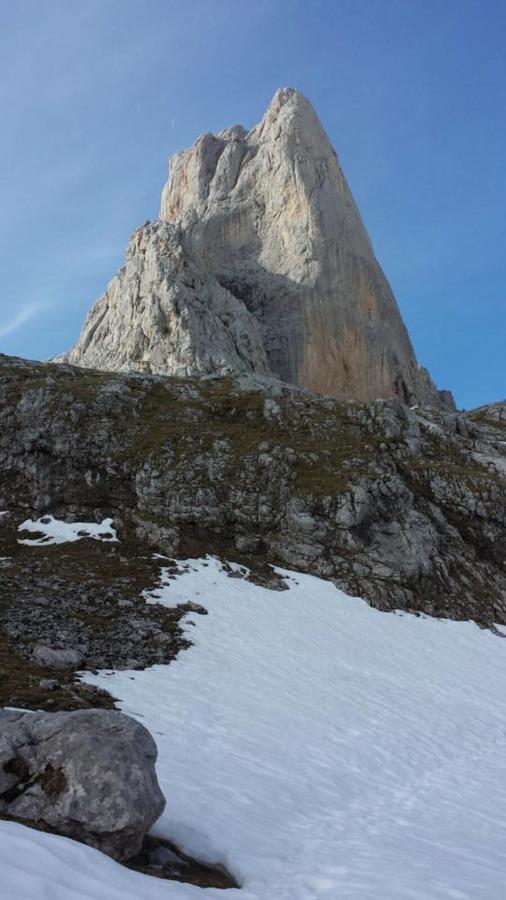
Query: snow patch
(55,531)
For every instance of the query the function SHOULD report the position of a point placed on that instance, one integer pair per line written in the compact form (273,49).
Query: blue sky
(96,95)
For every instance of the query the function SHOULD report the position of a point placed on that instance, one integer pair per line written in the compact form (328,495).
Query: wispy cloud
(18,321)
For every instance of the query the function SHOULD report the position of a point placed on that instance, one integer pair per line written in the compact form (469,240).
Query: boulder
(57,658)
(89,775)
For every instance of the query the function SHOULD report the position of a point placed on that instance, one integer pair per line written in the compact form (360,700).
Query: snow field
(318,747)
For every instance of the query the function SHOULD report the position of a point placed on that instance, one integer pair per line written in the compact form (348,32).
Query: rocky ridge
(406,507)
(259,263)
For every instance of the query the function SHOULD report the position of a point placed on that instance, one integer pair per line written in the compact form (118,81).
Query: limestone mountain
(259,263)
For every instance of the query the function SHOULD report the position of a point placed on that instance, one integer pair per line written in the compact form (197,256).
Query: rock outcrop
(89,775)
(404,507)
(260,263)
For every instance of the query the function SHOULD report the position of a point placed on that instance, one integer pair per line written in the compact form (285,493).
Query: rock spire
(259,263)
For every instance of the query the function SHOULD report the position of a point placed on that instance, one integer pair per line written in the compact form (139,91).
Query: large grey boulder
(259,263)
(89,775)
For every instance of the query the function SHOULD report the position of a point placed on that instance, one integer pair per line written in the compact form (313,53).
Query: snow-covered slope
(321,748)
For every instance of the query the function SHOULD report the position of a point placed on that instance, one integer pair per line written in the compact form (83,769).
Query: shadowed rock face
(259,263)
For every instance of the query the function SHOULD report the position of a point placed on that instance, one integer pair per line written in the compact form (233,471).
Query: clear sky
(96,95)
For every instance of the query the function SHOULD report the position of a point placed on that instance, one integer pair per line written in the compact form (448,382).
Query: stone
(162,856)
(49,684)
(54,658)
(89,775)
(259,264)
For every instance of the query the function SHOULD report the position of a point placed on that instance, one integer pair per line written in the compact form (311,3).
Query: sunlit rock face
(259,263)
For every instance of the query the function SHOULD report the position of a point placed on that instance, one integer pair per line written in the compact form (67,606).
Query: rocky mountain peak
(291,112)
(259,263)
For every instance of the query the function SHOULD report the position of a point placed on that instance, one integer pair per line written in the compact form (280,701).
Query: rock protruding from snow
(89,775)
(260,263)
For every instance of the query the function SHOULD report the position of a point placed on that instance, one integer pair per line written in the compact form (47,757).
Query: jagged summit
(259,263)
